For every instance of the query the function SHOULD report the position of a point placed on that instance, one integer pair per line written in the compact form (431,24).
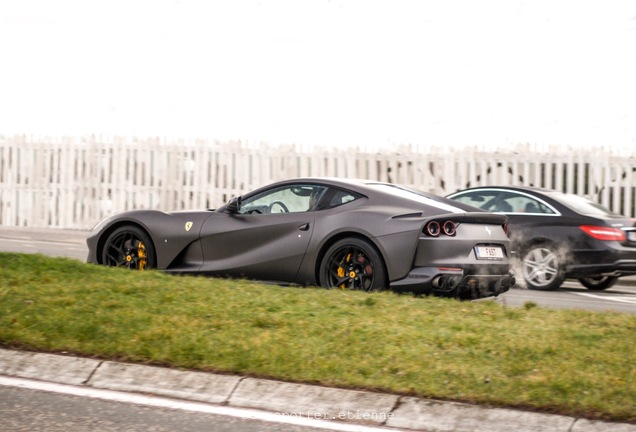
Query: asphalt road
(26,409)
(72,244)
(619,298)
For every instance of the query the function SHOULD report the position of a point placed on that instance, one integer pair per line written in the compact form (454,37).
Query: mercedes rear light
(604,233)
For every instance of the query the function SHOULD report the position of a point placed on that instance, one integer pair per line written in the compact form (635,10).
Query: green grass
(562,361)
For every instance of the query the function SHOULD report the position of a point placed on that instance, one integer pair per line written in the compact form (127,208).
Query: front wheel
(599,283)
(129,247)
(542,268)
(353,263)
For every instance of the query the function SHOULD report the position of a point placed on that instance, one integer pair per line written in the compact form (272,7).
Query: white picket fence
(74,182)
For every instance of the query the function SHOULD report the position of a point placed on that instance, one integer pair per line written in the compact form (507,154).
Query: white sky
(340,72)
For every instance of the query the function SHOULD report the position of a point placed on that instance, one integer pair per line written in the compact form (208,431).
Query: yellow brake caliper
(341,270)
(141,253)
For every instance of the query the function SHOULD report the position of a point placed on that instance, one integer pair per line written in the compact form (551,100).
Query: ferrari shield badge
(188,226)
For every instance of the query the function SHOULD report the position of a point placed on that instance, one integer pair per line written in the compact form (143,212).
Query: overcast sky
(340,72)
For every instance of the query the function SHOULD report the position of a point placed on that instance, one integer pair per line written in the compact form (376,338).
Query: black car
(351,234)
(557,235)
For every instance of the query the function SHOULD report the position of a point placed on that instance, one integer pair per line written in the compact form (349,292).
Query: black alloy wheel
(354,264)
(129,247)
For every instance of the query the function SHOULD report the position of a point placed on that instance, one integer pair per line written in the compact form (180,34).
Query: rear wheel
(599,283)
(542,268)
(129,247)
(353,263)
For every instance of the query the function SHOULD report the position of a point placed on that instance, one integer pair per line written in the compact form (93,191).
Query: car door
(265,239)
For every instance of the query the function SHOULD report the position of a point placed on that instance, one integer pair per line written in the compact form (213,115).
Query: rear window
(412,195)
(583,205)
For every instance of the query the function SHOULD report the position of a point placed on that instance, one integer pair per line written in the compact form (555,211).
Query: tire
(542,268)
(129,247)
(599,283)
(355,264)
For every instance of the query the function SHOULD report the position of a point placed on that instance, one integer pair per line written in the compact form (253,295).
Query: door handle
(304,227)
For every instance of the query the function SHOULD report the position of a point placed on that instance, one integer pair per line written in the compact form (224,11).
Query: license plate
(489,252)
(631,235)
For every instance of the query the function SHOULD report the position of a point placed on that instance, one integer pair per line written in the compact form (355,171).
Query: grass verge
(570,362)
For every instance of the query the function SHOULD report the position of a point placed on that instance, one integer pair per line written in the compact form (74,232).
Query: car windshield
(583,205)
(418,197)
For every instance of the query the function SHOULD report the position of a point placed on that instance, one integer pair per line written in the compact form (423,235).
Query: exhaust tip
(437,282)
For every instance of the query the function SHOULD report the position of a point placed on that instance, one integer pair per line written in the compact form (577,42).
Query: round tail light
(449,228)
(433,228)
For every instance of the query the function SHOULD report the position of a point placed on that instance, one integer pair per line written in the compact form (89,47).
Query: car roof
(356,185)
(512,188)
(560,201)
(334,181)
(366,188)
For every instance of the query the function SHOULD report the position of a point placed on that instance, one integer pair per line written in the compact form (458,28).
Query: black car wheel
(599,283)
(353,263)
(129,247)
(542,268)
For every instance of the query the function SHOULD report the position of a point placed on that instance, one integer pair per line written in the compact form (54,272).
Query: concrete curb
(355,407)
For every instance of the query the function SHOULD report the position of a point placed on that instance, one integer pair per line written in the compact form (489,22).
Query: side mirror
(233,205)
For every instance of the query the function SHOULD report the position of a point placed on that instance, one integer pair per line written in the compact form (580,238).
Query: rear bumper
(617,268)
(456,283)
(605,259)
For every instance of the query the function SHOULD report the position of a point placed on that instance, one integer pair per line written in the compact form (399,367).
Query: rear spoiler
(477,217)
(472,217)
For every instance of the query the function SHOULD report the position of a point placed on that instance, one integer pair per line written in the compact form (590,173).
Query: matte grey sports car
(351,234)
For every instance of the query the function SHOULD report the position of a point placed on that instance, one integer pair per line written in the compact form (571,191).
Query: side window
(335,197)
(285,199)
(525,204)
(503,202)
(502,206)
(482,199)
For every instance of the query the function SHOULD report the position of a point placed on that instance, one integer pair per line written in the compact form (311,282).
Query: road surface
(32,409)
